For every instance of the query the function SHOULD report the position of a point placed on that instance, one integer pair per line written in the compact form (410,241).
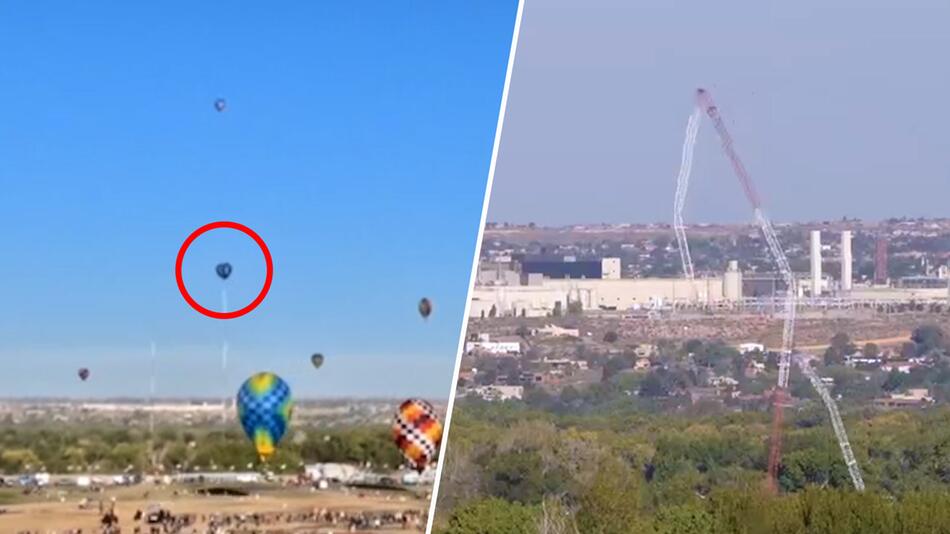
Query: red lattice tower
(880,261)
(705,102)
(775,443)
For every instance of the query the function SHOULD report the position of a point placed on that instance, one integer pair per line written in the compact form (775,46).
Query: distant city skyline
(750,223)
(837,110)
(356,142)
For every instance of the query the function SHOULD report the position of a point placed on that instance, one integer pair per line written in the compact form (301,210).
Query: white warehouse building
(617,294)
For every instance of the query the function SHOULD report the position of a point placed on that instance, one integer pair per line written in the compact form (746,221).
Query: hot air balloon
(223,270)
(220,105)
(316,360)
(264,408)
(417,432)
(425,308)
(83,374)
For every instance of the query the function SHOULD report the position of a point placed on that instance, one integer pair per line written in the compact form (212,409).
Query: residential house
(645,350)
(505,347)
(557,331)
(745,348)
(642,364)
(753,369)
(498,392)
(914,397)
(902,366)
(697,395)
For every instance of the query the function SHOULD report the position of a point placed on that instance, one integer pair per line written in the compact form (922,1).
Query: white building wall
(897,294)
(494,347)
(610,268)
(540,300)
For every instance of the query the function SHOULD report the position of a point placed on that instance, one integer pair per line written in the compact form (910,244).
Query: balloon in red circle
(267,260)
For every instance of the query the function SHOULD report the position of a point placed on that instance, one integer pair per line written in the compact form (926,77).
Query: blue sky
(837,109)
(356,143)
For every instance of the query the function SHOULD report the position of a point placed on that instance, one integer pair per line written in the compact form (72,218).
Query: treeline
(519,469)
(606,511)
(111,449)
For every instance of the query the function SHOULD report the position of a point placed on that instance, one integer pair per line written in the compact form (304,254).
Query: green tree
(614,366)
(908,349)
(556,517)
(928,338)
(693,346)
(824,510)
(895,379)
(516,476)
(610,337)
(818,467)
(126,454)
(833,357)
(653,386)
(739,512)
(841,342)
(569,395)
(840,347)
(924,512)
(715,355)
(610,505)
(684,519)
(492,516)
(16,460)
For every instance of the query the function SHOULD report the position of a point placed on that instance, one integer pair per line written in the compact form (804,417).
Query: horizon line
(847,220)
(209,400)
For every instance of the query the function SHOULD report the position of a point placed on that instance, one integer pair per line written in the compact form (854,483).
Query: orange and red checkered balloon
(417,432)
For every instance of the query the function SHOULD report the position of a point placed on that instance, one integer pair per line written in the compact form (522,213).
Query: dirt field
(813,331)
(893,341)
(54,516)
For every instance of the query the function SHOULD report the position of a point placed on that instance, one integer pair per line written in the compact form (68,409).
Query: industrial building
(538,288)
(566,268)
(541,296)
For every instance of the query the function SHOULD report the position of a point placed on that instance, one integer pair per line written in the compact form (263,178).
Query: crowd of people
(285,522)
(350,521)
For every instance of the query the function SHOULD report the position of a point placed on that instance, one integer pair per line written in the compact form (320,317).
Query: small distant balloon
(425,308)
(316,360)
(83,374)
(220,105)
(223,270)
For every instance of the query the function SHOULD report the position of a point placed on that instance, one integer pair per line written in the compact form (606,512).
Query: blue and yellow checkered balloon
(264,406)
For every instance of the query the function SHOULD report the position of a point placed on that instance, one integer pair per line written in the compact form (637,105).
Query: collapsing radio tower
(705,104)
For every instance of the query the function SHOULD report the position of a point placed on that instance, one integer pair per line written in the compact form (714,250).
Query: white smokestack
(846,260)
(732,282)
(815,263)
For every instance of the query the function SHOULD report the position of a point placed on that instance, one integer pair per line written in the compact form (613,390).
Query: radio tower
(679,199)
(880,260)
(705,103)
(704,100)
(775,248)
